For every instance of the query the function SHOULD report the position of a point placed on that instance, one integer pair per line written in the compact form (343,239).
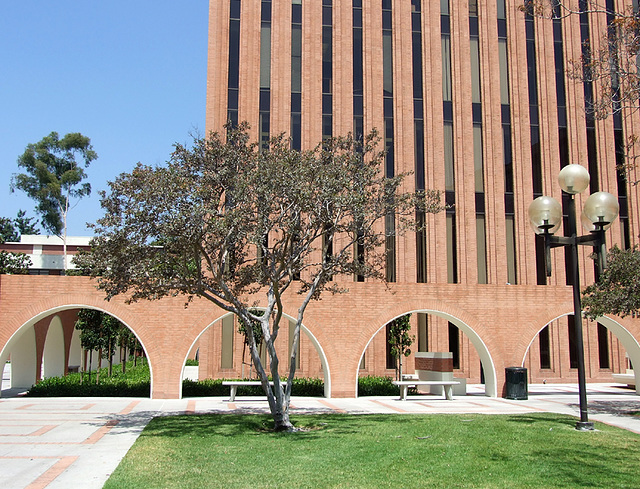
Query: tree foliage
(14,263)
(617,291)
(12,229)
(53,176)
(237,223)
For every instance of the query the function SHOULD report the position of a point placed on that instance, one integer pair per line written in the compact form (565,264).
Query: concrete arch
(628,341)
(303,329)
(466,324)
(23,358)
(626,337)
(19,344)
(53,357)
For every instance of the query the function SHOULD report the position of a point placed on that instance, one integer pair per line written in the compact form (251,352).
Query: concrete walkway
(78,442)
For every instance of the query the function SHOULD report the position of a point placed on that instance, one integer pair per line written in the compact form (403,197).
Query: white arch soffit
(303,328)
(629,343)
(4,354)
(490,378)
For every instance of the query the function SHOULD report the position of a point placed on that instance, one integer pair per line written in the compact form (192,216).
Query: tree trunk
(90,362)
(123,357)
(110,351)
(83,364)
(99,366)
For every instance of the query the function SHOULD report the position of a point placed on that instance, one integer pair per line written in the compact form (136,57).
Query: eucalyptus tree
(53,177)
(241,224)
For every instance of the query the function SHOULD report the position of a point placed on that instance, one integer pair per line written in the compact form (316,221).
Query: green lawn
(400,451)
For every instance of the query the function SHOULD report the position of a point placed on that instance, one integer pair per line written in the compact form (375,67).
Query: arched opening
(53,357)
(221,352)
(22,347)
(607,345)
(455,332)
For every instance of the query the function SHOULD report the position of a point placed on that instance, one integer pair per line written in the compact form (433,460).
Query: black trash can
(516,380)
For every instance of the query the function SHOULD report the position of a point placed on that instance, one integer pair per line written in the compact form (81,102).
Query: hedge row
(135,383)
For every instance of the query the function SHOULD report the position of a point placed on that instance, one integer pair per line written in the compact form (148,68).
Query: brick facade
(341,326)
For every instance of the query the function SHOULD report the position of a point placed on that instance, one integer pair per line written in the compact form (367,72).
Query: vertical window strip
(226,349)
(505,102)
(296,74)
(387,94)
(418,123)
(534,129)
(358,95)
(448,142)
(478,159)
(545,348)
(234,62)
(603,347)
(563,137)
(327,69)
(265,73)
(619,144)
(358,70)
(592,155)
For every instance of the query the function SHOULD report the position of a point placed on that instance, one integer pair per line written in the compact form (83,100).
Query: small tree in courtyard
(400,341)
(99,332)
(241,224)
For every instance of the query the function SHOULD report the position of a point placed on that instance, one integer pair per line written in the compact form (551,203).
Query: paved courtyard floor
(78,442)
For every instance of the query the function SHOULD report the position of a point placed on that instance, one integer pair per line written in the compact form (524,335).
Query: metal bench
(447,386)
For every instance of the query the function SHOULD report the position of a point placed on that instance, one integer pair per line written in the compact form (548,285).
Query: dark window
(545,348)
(454,344)
(391,360)
(603,346)
(573,344)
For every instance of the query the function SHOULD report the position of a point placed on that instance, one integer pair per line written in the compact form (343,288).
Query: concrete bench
(234,384)
(629,379)
(447,386)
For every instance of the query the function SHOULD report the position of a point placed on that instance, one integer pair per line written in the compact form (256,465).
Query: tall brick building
(470,96)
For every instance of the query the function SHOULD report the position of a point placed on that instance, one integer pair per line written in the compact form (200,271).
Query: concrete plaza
(78,442)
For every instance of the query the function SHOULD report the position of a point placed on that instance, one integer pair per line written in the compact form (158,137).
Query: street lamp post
(545,215)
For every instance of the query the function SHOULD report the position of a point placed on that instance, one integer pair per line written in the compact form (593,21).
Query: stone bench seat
(629,379)
(234,384)
(447,386)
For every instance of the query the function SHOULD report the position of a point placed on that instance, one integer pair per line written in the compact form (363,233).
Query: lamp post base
(584,426)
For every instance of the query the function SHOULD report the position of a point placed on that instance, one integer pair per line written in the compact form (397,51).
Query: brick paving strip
(58,468)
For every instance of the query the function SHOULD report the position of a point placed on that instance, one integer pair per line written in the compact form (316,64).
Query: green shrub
(134,383)
(192,362)
(376,386)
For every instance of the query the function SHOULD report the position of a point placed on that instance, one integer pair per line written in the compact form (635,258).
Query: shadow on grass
(541,418)
(230,425)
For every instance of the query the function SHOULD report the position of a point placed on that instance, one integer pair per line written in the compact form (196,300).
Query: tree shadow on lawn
(229,425)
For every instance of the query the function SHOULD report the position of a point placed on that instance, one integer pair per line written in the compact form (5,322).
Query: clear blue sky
(131,75)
